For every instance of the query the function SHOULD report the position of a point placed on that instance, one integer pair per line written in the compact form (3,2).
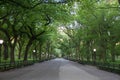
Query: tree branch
(30,29)
(4,16)
(31,7)
(6,33)
(40,33)
(48,20)
(119,1)
(108,8)
(23,32)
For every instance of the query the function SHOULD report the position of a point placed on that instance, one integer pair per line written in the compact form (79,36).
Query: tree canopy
(74,28)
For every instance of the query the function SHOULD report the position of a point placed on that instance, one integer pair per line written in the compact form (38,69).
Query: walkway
(58,69)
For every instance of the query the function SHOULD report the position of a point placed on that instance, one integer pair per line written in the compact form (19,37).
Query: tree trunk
(119,1)
(19,54)
(40,53)
(27,49)
(113,57)
(79,56)
(113,54)
(12,55)
(5,51)
(48,48)
(88,54)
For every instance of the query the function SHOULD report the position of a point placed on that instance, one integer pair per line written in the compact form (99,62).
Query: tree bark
(27,49)
(113,53)
(12,47)
(12,56)
(5,51)
(119,1)
(19,54)
(40,52)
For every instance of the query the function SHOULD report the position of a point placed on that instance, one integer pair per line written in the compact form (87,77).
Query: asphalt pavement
(58,69)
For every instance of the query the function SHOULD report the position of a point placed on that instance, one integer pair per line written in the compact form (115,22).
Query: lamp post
(1,42)
(94,51)
(34,54)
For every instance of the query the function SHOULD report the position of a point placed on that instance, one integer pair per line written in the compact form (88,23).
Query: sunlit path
(58,69)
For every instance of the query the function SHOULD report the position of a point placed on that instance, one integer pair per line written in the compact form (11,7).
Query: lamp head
(94,50)
(34,50)
(1,41)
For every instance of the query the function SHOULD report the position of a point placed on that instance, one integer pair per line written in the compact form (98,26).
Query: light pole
(94,50)
(1,42)
(34,54)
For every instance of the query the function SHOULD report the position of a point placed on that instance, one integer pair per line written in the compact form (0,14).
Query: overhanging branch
(48,19)
(16,3)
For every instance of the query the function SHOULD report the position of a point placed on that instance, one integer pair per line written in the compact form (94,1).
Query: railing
(4,66)
(112,67)
(7,66)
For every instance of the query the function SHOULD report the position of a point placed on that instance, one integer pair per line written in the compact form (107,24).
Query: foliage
(41,29)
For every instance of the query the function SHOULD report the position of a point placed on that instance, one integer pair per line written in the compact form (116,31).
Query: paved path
(58,69)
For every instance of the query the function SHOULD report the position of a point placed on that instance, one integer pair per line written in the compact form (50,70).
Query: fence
(7,66)
(4,66)
(112,67)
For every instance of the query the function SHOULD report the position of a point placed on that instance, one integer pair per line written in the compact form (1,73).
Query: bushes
(111,67)
(18,64)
